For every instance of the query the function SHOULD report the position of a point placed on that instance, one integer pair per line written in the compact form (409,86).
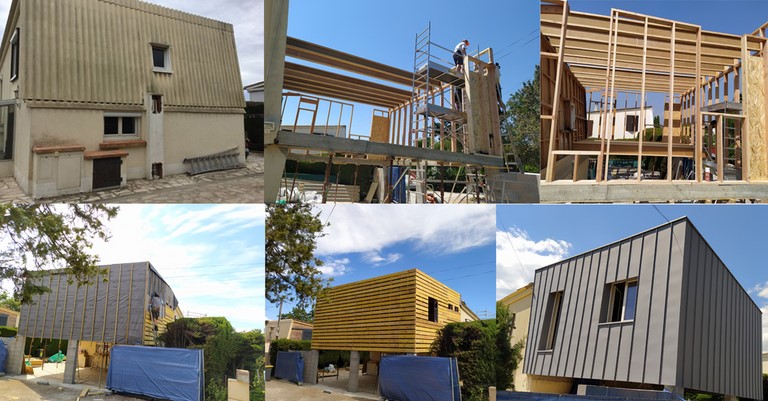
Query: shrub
(8,331)
(285,344)
(471,344)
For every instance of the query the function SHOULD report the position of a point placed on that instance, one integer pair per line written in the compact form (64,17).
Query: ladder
(512,161)
(475,183)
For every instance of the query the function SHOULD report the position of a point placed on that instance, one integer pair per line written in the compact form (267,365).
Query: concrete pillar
(381,177)
(70,365)
(274,164)
(311,359)
(679,390)
(14,363)
(491,393)
(354,371)
(730,398)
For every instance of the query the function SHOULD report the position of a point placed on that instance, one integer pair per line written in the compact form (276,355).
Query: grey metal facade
(106,311)
(693,325)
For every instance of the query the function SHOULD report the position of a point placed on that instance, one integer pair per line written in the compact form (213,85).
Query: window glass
(617,303)
(111,125)
(158,56)
(631,296)
(129,125)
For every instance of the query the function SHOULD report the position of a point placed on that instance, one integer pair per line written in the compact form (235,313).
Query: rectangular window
(15,55)
(161,58)
(432,303)
(631,123)
(121,125)
(622,301)
(551,321)
(3,319)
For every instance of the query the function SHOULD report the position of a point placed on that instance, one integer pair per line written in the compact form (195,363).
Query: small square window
(622,299)
(161,58)
(117,126)
(3,319)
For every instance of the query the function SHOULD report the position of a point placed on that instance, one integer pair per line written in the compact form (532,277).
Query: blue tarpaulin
(174,374)
(419,378)
(3,356)
(290,366)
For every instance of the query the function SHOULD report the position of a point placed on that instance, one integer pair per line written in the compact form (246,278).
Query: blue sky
(385,32)
(736,17)
(452,243)
(529,237)
(212,256)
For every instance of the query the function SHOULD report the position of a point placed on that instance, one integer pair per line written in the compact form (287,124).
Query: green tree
(8,301)
(520,125)
(49,236)
(300,313)
(292,273)
(473,346)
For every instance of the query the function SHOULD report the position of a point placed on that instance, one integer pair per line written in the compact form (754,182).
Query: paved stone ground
(283,390)
(19,388)
(245,185)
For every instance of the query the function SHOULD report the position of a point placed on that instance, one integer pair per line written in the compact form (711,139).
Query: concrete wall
(198,134)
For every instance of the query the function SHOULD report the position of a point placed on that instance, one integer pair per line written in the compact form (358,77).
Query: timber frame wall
(701,73)
(385,314)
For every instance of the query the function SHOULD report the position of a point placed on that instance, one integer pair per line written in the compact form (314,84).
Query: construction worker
(459,52)
(155,305)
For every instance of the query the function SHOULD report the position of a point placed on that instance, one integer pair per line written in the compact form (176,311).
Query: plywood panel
(380,129)
(755,111)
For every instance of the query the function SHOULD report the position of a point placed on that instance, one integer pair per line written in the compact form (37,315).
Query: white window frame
(120,135)
(167,69)
(15,56)
(612,301)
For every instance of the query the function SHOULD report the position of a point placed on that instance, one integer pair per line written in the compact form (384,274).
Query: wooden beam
(556,96)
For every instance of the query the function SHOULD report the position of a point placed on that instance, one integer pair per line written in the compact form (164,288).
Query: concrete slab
(650,191)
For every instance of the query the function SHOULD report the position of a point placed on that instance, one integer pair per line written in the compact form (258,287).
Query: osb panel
(380,129)
(676,121)
(755,106)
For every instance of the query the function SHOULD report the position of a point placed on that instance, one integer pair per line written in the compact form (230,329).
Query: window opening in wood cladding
(433,305)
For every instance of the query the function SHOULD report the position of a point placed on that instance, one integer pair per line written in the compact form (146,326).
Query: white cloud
(518,256)
(335,267)
(369,229)
(377,259)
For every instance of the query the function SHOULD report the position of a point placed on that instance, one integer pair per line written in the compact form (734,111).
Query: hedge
(6,331)
(472,344)
(284,344)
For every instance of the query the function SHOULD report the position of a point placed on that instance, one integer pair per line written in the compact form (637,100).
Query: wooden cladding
(387,314)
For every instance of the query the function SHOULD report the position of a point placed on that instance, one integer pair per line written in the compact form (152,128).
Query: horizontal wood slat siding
(386,314)
(98,51)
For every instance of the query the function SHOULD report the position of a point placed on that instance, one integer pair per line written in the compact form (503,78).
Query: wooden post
(671,102)
(551,162)
(641,135)
(720,153)
(605,104)
(615,32)
(327,177)
(745,138)
(698,134)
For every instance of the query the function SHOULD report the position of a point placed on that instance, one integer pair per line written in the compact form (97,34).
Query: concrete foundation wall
(15,360)
(197,134)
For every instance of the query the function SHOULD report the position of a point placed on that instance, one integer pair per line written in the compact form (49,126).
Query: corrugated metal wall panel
(98,51)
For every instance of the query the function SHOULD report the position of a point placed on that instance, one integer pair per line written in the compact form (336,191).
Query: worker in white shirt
(459,52)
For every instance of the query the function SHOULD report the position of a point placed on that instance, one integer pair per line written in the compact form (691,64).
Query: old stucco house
(97,92)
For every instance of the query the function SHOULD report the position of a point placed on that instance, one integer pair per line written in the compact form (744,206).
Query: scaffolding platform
(443,113)
(441,73)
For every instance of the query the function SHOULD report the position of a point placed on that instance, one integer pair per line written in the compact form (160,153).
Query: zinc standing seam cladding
(105,311)
(99,51)
(695,327)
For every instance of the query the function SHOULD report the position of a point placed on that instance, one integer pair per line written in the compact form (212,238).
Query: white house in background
(627,122)
(96,92)
(255,92)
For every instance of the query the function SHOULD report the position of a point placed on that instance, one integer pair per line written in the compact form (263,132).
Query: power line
(513,50)
(511,245)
